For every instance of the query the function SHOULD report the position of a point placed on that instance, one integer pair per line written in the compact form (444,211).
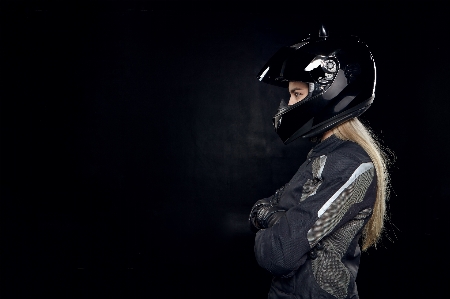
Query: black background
(135,138)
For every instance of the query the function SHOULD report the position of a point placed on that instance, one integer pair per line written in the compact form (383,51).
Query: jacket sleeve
(342,182)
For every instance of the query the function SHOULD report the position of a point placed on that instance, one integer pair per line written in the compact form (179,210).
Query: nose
(292,101)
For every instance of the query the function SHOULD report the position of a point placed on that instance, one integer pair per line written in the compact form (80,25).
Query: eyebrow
(297,88)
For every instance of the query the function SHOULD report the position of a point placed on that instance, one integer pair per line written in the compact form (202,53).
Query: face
(298,91)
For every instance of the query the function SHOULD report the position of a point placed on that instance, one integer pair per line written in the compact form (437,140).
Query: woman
(307,233)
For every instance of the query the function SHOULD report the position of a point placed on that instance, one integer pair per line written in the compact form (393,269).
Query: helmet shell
(343,75)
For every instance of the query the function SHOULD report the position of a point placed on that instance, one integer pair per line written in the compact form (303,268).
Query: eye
(298,94)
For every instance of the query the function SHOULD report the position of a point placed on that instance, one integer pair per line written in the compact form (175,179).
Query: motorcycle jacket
(312,251)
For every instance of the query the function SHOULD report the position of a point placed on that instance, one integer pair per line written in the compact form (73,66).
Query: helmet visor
(286,65)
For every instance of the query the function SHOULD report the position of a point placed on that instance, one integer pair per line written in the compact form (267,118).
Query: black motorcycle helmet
(341,75)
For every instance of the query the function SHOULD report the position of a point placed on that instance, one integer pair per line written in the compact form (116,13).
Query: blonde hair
(354,130)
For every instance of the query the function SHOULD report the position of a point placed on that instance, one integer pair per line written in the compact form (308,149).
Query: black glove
(265,212)
(252,219)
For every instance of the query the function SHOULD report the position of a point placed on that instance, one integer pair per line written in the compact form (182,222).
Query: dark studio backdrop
(135,138)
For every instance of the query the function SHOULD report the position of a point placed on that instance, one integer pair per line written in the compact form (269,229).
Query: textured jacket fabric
(313,251)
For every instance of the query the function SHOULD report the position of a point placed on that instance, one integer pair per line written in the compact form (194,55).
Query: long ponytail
(356,131)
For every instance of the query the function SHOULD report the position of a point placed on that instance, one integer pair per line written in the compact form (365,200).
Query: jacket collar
(325,146)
